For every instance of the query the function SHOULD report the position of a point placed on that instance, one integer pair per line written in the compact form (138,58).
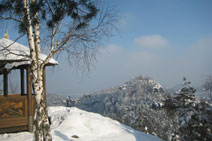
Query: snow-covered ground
(73,124)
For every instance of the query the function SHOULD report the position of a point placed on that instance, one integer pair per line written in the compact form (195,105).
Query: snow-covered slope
(137,103)
(73,124)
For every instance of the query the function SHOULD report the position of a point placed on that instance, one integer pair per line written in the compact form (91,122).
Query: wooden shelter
(17,110)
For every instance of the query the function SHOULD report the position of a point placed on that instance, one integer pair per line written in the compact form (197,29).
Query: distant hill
(136,103)
(55,100)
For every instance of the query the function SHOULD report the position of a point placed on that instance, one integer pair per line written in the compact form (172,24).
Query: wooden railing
(14,113)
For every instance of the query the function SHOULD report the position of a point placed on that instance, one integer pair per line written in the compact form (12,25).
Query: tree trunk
(41,122)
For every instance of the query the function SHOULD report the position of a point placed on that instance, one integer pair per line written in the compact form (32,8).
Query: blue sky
(162,39)
(172,19)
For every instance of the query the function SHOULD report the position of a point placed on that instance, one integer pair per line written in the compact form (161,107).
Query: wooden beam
(13,129)
(22,81)
(44,83)
(29,99)
(5,82)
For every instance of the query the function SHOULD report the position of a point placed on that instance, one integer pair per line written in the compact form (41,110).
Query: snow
(15,52)
(69,123)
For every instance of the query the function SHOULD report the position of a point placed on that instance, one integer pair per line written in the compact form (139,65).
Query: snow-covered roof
(16,54)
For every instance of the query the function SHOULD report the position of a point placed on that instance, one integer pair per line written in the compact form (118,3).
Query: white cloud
(116,64)
(114,49)
(153,42)
(121,64)
(203,44)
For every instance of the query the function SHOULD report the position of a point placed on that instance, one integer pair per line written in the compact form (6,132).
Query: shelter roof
(13,54)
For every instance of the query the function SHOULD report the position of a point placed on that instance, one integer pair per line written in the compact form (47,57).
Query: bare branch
(10,18)
(13,42)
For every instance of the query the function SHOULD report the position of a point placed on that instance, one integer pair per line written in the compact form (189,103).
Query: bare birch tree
(75,27)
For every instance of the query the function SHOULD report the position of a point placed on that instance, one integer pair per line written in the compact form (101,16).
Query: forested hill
(145,105)
(136,103)
(140,90)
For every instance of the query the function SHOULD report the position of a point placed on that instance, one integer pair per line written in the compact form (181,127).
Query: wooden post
(44,84)
(5,82)
(29,96)
(22,81)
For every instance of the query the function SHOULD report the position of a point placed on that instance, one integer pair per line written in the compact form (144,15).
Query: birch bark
(41,122)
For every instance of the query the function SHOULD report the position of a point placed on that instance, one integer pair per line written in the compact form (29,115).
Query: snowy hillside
(73,124)
(136,103)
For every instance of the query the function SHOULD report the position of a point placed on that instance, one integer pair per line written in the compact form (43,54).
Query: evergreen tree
(194,116)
